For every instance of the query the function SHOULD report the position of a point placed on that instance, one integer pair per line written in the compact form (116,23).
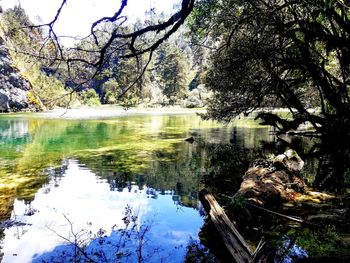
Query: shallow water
(64,183)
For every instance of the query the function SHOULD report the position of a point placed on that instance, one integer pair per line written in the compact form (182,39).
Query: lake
(119,189)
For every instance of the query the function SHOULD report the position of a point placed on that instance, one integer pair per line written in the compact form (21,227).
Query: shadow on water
(324,239)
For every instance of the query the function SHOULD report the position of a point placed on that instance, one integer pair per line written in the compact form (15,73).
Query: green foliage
(124,83)
(113,94)
(89,97)
(166,80)
(202,17)
(25,41)
(48,89)
(111,89)
(293,54)
(11,23)
(33,100)
(275,52)
(237,201)
(323,242)
(171,69)
(197,97)
(229,163)
(347,176)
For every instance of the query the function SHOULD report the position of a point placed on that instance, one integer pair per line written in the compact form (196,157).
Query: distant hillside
(15,91)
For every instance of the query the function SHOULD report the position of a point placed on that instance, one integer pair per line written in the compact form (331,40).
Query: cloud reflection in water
(82,201)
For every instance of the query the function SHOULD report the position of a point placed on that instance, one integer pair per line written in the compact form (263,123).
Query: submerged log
(234,242)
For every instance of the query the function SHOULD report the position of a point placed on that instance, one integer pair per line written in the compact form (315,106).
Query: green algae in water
(144,150)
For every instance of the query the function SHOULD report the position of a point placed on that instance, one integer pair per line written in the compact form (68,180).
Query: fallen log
(272,183)
(234,242)
(269,183)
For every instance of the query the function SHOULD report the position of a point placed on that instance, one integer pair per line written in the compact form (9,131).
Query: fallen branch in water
(296,219)
(234,242)
(292,218)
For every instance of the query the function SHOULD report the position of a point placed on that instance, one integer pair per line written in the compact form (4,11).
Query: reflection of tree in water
(320,166)
(304,146)
(55,175)
(197,253)
(52,177)
(228,163)
(175,173)
(127,243)
(182,178)
(118,181)
(333,171)
(26,189)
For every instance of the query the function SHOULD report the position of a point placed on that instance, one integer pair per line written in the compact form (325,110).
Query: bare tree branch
(111,19)
(97,51)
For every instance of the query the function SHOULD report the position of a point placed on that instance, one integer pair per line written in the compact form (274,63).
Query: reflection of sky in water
(87,202)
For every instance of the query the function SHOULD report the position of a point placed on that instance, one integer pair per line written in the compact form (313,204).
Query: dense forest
(172,77)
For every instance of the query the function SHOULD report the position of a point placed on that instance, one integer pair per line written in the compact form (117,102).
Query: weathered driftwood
(270,183)
(234,242)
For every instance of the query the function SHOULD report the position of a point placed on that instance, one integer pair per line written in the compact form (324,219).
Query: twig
(258,248)
(111,19)
(75,239)
(296,219)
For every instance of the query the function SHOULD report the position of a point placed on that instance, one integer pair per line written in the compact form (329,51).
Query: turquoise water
(122,189)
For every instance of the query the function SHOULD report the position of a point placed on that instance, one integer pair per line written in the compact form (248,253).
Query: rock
(289,160)
(189,140)
(4,102)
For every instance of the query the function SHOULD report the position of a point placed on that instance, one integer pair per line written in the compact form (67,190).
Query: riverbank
(105,112)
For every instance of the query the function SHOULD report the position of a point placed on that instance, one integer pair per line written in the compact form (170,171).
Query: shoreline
(103,112)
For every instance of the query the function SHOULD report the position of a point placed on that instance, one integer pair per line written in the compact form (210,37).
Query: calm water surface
(97,189)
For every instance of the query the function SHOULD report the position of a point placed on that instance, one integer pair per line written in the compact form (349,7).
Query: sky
(78,15)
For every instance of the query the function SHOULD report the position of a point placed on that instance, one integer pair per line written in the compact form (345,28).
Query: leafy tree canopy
(288,53)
